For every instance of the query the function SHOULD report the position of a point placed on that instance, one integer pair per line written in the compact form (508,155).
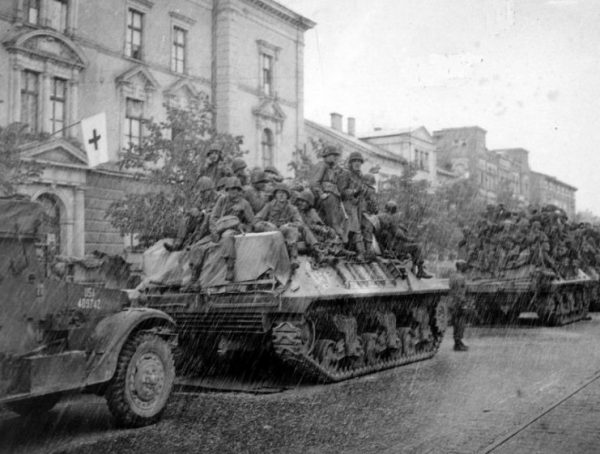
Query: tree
(14,171)
(169,160)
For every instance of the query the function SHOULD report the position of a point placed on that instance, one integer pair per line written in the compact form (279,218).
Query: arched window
(51,227)
(267,147)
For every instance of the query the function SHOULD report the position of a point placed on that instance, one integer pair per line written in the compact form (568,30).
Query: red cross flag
(94,139)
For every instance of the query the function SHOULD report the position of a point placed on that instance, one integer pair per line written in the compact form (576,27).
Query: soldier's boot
(293,251)
(421,273)
(459,346)
(360,251)
(369,253)
(230,272)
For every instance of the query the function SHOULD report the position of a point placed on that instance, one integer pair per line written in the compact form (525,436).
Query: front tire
(138,393)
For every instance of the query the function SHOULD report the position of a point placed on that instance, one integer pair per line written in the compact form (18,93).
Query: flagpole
(65,128)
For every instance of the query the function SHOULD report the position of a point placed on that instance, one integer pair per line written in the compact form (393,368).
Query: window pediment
(47,44)
(180,90)
(271,110)
(58,151)
(138,77)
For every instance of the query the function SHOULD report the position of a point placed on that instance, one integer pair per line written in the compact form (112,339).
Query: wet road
(514,391)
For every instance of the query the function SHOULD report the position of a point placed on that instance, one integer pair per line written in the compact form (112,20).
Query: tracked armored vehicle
(332,322)
(531,292)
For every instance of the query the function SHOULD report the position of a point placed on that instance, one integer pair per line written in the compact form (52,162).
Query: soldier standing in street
(458,304)
(280,214)
(352,191)
(324,185)
(215,169)
(224,226)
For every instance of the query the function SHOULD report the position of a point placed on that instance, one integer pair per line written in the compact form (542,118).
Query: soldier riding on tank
(231,215)
(324,185)
(352,191)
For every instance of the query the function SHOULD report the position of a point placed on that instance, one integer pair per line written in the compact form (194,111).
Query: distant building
(546,189)
(63,60)
(464,152)
(414,145)
(378,160)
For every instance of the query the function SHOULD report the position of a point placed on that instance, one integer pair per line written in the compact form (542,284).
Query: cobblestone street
(499,397)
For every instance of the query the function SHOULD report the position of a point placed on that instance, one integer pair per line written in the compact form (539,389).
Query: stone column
(44,102)
(79,223)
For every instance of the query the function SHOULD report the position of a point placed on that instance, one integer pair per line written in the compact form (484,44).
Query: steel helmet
(258,176)
(330,149)
(233,183)
(214,147)
(307,196)
(391,206)
(238,164)
(369,180)
(205,184)
(282,187)
(355,156)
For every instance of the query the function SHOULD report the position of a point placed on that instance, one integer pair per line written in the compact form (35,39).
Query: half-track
(330,321)
(58,337)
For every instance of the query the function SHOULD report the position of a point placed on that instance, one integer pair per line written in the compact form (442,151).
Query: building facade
(546,189)
(414,145)
(64,60)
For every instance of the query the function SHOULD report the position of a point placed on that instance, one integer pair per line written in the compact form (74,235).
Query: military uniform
(282,216)
(230,205)
(352,192)
(458,306)
(369,208)
(324,185)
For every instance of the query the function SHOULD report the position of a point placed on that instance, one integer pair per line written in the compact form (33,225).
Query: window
(133,45)
(30,86)
(133,122)
(267,147)
(178,52)
(57,15)
(32,11)
(267,74)
(58,100)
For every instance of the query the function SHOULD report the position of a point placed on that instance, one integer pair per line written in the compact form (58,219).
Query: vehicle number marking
(89,300)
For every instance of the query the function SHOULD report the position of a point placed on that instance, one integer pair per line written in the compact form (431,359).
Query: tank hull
(332,323)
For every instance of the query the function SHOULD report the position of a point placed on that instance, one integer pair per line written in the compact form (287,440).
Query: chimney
(336,121)
(351,126)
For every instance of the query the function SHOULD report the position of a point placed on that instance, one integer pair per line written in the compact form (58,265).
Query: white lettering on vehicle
(89,300)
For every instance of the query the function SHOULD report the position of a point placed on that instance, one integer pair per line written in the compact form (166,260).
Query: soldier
(325,187)
(352,191)
(194,224)
(220,186)
(273,174)
(280,214)
(222,225)
(238,167)
(394,240)
(369,209)
(256,193)
(321,238)
(458,304)
(215,169)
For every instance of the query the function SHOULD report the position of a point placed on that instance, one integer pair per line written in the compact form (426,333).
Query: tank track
(289,347)
(568,305)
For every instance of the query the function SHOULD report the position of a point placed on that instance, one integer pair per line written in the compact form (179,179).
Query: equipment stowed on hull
(333,322)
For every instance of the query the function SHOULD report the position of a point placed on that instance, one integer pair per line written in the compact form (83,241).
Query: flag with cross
(94,138)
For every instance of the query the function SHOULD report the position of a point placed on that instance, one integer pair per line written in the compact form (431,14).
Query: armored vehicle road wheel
(137,395)
(34,405)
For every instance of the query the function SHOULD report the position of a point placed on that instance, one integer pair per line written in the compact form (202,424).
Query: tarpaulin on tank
(256,253)
(20,217)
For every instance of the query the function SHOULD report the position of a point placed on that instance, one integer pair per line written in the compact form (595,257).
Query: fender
(112,332)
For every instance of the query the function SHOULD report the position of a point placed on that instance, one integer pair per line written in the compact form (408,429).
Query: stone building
(64,60)
(414,145)
(464,152)
(378,160)
(546,189)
